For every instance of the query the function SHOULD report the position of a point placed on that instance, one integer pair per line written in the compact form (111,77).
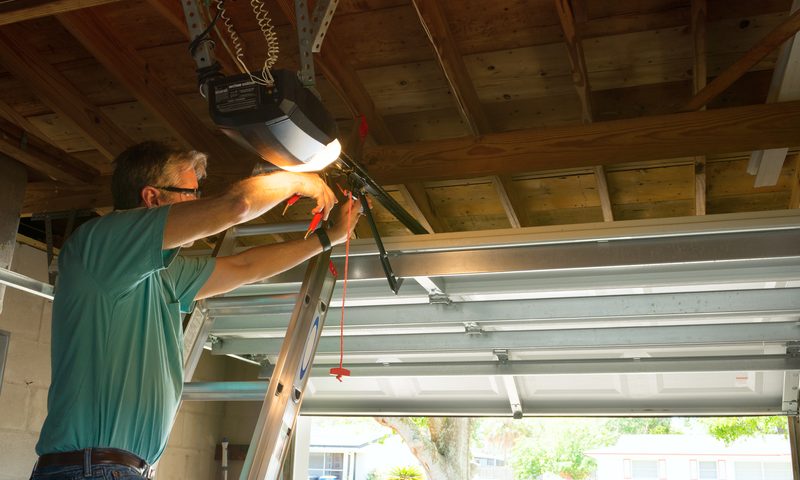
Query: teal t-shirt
(117,341)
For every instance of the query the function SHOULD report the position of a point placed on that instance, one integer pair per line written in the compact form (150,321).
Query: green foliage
(373,475)
(421,422)
(640,426)
(409,472)
(730,429)
(557,446)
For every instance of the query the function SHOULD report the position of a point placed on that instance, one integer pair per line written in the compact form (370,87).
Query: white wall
(23,397)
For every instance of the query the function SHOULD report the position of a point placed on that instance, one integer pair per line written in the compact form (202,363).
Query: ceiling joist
(59,94)
(699,76)
(580,77)
(773,40)
(686,134)
(448,56)
(30,150)
(13,12)
(132,70)
(766,165)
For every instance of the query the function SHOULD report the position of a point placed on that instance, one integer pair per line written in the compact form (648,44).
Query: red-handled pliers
(292,200)
(314,221)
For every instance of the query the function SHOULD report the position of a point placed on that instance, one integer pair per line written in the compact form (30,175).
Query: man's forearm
(258,263)
(246,200)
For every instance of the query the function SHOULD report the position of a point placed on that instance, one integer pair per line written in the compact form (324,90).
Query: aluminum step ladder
(287,384)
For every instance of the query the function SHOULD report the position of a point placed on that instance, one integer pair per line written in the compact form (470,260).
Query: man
(117,337)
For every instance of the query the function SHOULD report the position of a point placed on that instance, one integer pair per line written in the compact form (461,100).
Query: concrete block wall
(23,395)
(197,431)
(199,426)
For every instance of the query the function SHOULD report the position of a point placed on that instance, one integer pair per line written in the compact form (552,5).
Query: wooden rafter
(418,198)
(605,197)
(515,210)
(580,77)
(8,112)
(577,60)
(773,40)
(450,60)
(699,75)
(452,64)
(59,94)
(172,11)
(41,156)
(132,70)
(342,76)
(13,12)
(794,200)
(657,137)
(766,165)
(42,197)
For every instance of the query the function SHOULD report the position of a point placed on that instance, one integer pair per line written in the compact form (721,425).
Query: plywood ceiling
(482,115)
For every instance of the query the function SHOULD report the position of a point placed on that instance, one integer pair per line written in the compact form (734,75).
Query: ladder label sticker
(308,353)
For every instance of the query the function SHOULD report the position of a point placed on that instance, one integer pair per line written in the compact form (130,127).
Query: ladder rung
(269,228)
(251,301)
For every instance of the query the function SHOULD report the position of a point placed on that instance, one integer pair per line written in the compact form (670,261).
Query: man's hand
(339,233)
(312,186)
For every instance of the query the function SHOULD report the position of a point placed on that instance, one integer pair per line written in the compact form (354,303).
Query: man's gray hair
(154,164)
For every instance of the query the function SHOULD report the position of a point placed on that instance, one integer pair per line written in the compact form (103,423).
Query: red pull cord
(341,371)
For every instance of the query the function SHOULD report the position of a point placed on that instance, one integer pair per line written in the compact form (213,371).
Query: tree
(640,426)
(557,446)
(440,444)
(730,429)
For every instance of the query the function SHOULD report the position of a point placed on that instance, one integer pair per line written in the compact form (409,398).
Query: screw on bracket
(472,328)
(439,298)
(501,354)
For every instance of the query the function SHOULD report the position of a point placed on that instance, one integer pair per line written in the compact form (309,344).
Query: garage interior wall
(199,426)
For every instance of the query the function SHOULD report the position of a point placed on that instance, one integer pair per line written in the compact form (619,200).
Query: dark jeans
(96,472)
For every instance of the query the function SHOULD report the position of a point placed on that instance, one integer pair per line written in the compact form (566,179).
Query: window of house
(3,349)
(326,465)
(762,471)
(707,470)
(644,469)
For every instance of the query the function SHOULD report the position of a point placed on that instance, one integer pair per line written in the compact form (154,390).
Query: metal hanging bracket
(310,36)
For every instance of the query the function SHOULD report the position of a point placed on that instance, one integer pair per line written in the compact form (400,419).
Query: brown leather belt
(98,456)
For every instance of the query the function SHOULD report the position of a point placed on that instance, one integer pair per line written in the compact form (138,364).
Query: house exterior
(693,457)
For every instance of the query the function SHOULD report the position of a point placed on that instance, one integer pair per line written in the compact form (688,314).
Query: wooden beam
(709,132)
(41,156)
(602,190)
(577,60)
(172,11)
(137,75)
(43,197)
(344,79)
(580,77)
(421,204)
(18,11)
(13,116)
(794,200)
(699,14)
(434,22)
(414,209)
(766,165)
(450,60)
(515,210)
(58,93)
(773,40)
